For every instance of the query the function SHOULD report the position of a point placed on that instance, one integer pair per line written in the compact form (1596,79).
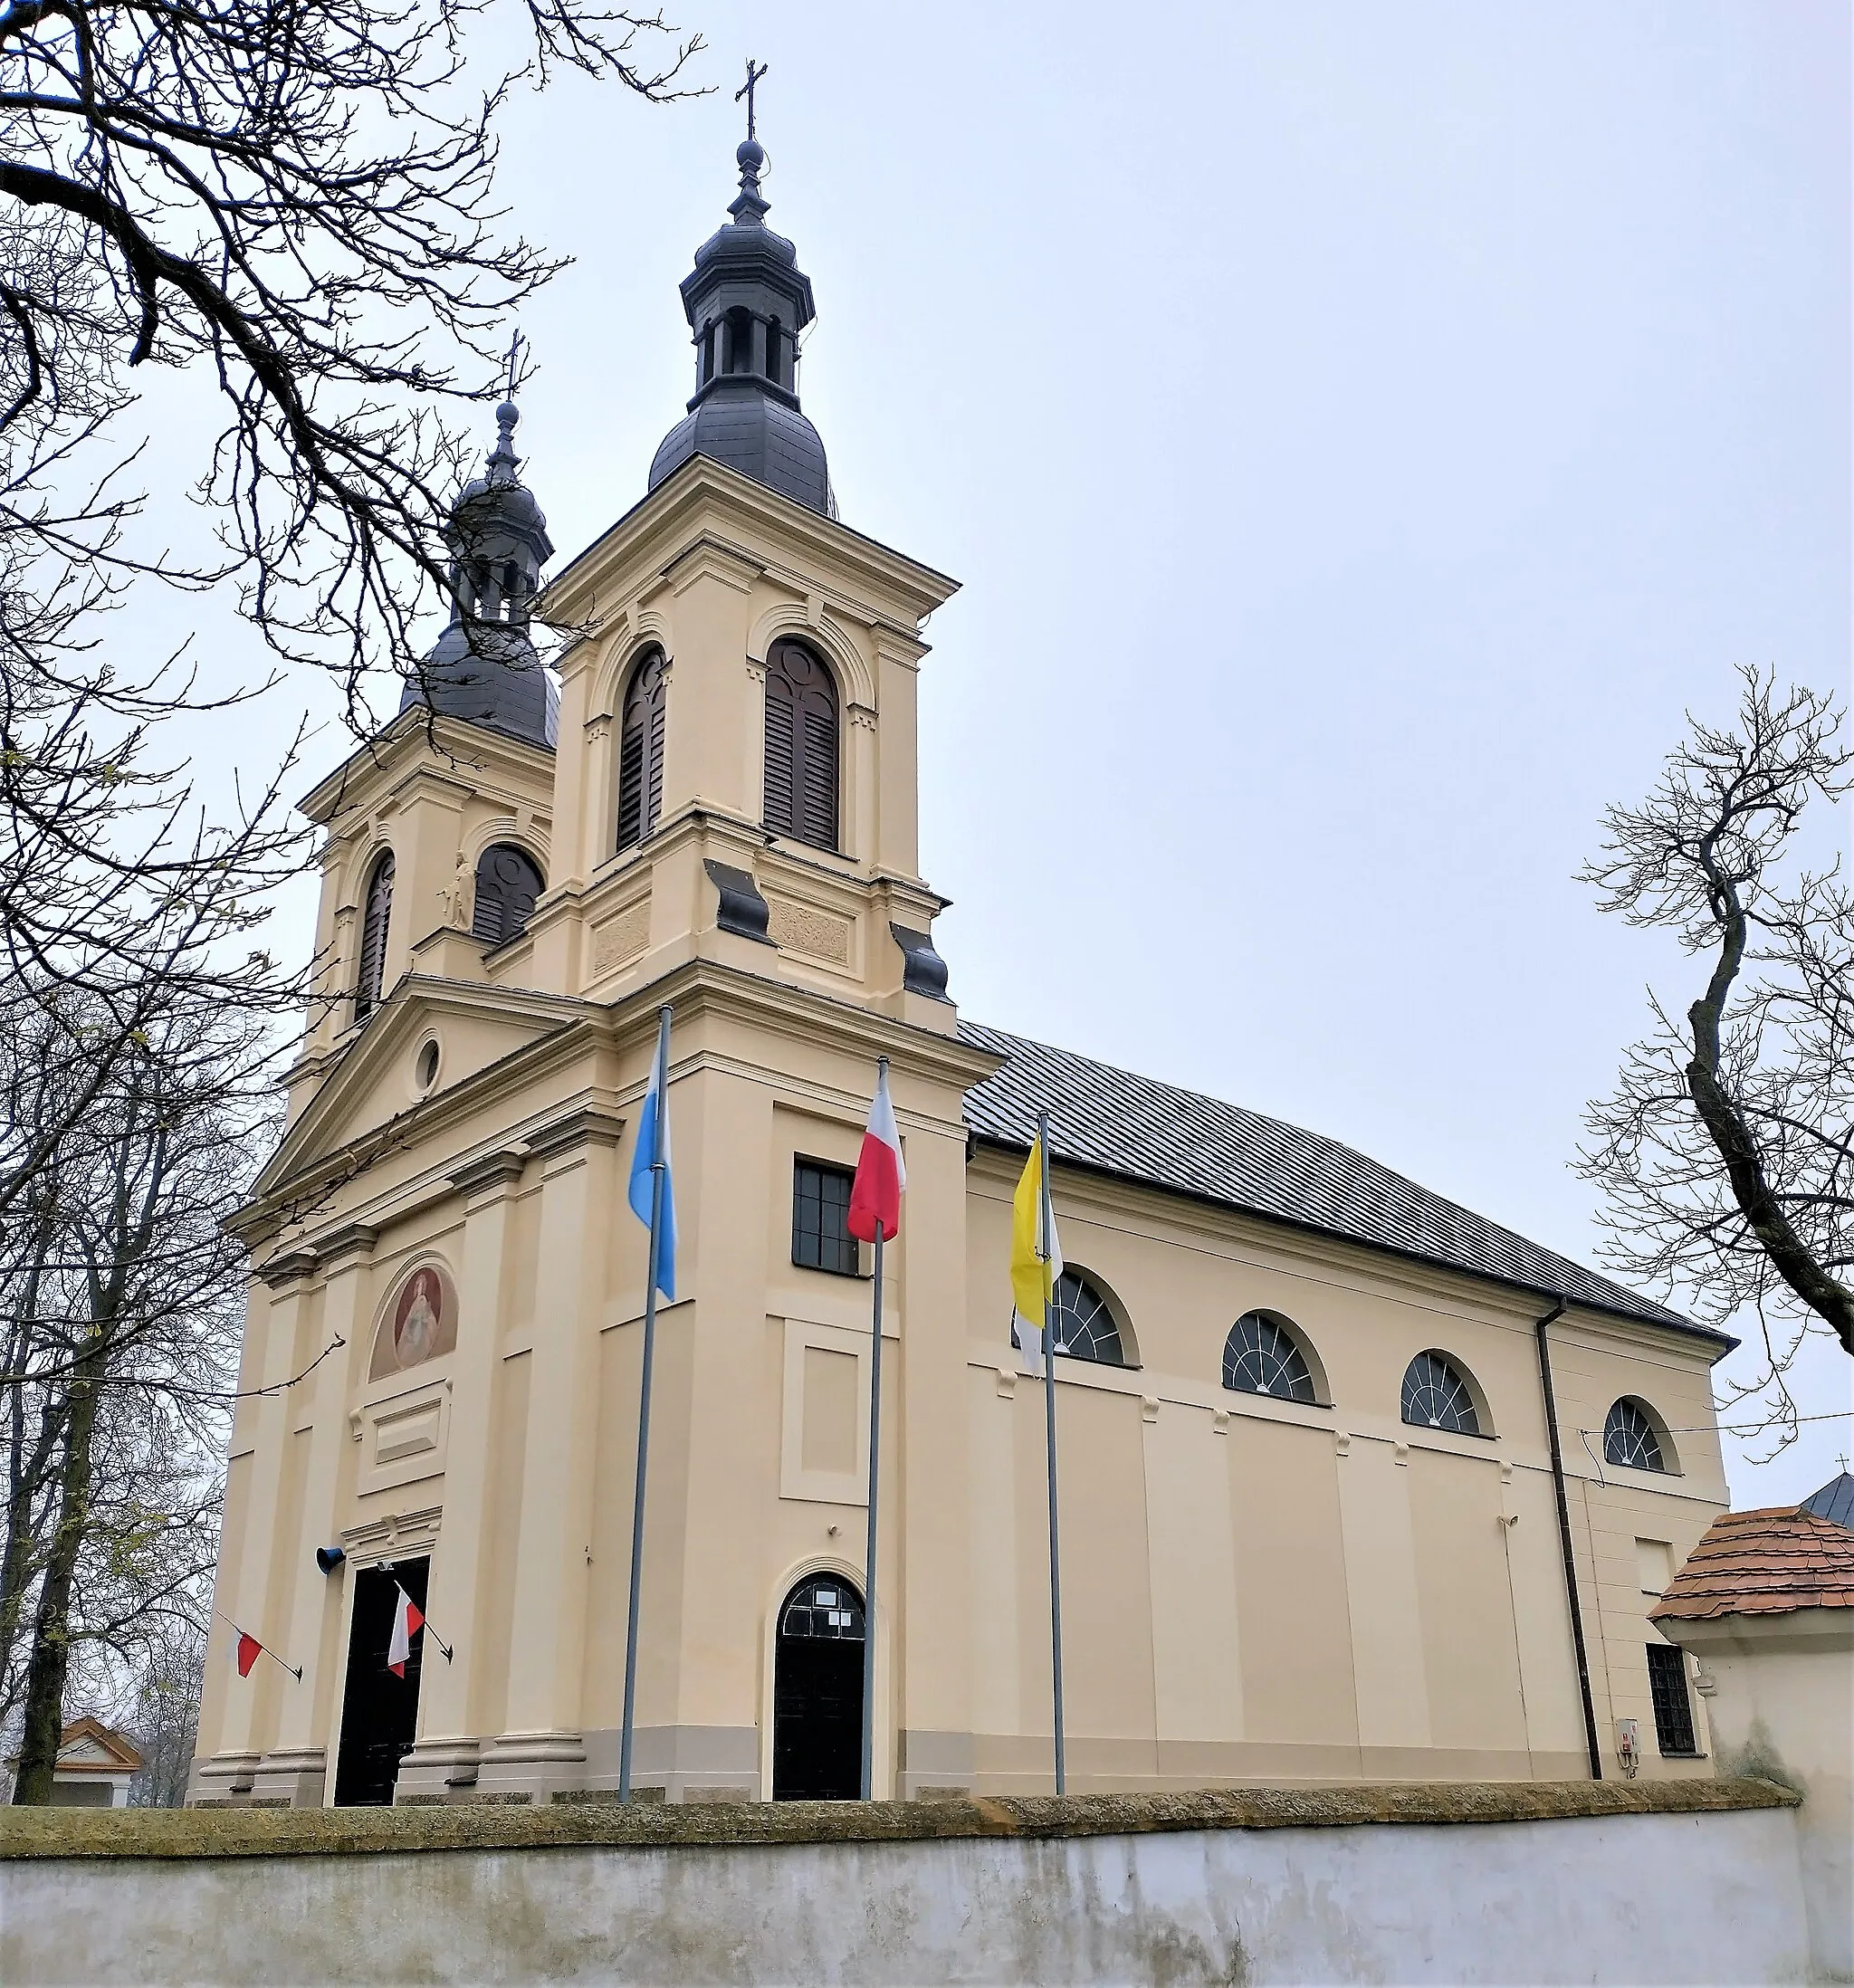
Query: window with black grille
(821,1241)
(1666,1684)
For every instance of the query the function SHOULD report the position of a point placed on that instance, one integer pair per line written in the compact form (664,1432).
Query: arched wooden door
(818,1694)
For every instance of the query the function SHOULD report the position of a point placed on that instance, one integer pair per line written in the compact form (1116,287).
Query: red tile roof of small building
(1763,1563)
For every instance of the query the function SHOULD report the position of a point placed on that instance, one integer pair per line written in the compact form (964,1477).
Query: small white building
(95,1767)
(1765,1607)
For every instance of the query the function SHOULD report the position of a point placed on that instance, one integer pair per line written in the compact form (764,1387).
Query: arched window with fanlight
(801,746)
(1086,1329)
(1436,1395)
(508,881)
(376,916)
(1631,1439)
(1262,1356)
(640,749)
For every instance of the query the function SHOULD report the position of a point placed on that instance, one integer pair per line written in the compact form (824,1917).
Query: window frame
(1318,1395)
(833,1170)
(1483,1431)
(1667,1465)
(794,825)
(371,963)
(653,735)
(1670,1660)
(520,931)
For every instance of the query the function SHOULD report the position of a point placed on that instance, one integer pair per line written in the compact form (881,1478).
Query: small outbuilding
(1765,1605)
(95,1766)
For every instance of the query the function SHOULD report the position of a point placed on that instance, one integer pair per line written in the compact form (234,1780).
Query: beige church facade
(1310,1516)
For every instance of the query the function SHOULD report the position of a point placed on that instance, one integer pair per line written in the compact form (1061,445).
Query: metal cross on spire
(746,90)
(515,344)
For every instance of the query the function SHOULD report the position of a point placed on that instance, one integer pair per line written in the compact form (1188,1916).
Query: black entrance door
(818,1695)
(379,1712)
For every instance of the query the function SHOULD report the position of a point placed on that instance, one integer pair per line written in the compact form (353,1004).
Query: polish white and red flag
(875,1197)
(408,1619)
(246,1652)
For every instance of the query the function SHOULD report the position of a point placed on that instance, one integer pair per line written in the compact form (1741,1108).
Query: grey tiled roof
(1834,1501)
(1116,1122)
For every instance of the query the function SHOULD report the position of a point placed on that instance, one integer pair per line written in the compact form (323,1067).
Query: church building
(1354,1485)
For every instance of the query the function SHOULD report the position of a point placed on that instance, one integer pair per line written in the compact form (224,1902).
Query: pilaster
(541,1747)
(445,1757)
(294,1769)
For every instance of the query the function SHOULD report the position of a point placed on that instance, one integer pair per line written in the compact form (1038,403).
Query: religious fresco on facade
(421,1323)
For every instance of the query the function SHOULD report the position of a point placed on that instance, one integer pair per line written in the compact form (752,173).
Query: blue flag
(654,1145)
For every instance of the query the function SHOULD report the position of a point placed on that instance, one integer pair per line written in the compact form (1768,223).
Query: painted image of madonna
(421,1324)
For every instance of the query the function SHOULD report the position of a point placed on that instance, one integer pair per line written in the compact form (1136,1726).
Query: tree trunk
(51,1656)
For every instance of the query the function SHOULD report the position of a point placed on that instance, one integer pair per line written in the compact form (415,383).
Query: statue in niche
(420,1325)
(458,895)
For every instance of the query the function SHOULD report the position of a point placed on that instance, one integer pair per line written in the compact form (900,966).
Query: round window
(428,1065)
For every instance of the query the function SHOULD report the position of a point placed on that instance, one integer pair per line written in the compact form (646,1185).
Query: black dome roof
(760,436)
(746,300)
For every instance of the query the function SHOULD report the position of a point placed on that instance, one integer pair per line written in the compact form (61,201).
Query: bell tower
(737,769)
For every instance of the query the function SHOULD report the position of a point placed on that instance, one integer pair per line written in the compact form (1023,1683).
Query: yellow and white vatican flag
(1036,1254)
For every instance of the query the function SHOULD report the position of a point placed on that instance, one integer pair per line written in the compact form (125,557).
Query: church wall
(1464,1592)
(1394,1598)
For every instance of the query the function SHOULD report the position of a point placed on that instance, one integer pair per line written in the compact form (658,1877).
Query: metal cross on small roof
(746,90)
(515,353)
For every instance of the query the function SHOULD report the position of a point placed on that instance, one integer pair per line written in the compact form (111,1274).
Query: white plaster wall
(1660,1899)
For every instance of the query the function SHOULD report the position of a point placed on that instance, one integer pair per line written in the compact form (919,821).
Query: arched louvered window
(374,920)
(1435,1396)
(508,881)
(1631,1437)
(801,746)
(1260,1357)
(640,750)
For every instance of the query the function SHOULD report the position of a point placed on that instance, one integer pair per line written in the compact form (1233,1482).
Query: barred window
(821,1240)
(1435,1396)
(1260,1357)
(1666,1684)
(1629,1438)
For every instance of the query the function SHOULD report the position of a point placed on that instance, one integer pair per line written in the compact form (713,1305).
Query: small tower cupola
(746,300)
(484,668)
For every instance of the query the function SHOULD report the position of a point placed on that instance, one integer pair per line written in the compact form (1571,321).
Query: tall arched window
(640,750)
(1435,1396)
(1260,1357)
(508,881)
(1631,1437)
(801,748)
(374,920)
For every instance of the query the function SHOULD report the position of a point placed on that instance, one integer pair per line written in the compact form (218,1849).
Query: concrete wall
(1005,1892)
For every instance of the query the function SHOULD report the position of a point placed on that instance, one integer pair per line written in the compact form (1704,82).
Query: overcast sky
(1360,430)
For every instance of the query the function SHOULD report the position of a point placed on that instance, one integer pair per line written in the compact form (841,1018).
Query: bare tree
(124,1297)
(1727,1153)
(300,198)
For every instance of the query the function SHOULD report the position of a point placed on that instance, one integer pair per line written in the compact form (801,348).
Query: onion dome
(484,668)
(746,300)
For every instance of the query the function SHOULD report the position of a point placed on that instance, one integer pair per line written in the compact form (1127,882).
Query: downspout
(1589,1710)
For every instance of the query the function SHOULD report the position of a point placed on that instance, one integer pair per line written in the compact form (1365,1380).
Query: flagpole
(874,1485)
(656,1174)
(295,1670)
(1045,1223)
